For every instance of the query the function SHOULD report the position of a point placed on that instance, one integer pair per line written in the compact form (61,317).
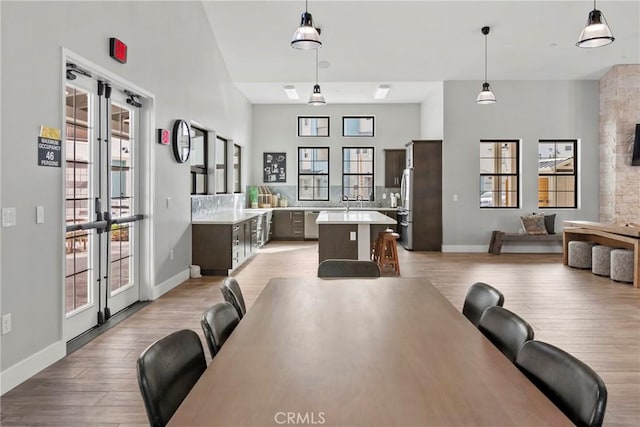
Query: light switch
(455,197)
(39,214)
(8,217)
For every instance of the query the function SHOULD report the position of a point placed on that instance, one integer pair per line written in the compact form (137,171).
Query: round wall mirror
(181,141)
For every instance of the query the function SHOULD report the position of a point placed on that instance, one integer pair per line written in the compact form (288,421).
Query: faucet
(344,198)
(359,199)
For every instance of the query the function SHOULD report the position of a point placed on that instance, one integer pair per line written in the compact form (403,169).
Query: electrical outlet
(171,255)
(8,217)
(6,323)
(39,214)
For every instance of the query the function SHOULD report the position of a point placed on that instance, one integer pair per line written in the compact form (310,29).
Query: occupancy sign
(49,152)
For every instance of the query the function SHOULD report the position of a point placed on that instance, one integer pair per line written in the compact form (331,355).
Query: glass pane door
(100,205)
(79,191)
(122,177)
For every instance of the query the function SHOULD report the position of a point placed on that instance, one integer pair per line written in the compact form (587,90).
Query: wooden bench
(497,237)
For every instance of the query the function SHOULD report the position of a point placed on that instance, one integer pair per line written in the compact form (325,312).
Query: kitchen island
(348,234)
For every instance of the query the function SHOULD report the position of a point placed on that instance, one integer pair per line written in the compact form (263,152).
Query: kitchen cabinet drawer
(288,225)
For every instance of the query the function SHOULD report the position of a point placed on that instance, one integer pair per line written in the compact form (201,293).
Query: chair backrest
(506,330)
(218,321)
(480,297)
(167,370)
(348,268)
(576,389)
(232,294)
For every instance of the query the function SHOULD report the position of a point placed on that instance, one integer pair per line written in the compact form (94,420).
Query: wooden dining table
(361,352)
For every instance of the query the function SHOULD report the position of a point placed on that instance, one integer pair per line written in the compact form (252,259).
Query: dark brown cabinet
(424,231)
(288,225)
(217,248)
(221,248)
(394,163)
(335,241)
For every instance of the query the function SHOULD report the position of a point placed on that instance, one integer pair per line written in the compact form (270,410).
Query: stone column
(619,113)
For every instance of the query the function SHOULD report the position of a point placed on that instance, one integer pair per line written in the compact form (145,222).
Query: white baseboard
(518,248)
(25,369)
(169,284)
(464,248)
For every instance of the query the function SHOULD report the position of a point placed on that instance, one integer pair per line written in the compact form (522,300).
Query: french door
(101,202)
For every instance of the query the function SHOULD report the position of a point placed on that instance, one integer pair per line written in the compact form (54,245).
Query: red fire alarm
(163,136)
(118,50)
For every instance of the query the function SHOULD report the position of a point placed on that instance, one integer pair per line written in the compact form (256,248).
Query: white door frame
(146,173)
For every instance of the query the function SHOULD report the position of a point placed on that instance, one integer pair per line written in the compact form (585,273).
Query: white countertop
(353,217)
(230,217)
(246,214)
(333,208)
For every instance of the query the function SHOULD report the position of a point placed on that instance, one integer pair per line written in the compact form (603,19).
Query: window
(357,126)
(313,173)
(237,168)
(198,160)
(357,173)
(313,126)
(557,184)
(221,165)
(499,174)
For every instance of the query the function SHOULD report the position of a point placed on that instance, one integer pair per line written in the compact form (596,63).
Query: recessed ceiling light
(382,91)
(291,92)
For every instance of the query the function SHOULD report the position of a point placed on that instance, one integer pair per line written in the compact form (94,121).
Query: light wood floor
(591,317)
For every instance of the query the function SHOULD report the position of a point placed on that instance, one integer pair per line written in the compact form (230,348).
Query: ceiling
(413,45)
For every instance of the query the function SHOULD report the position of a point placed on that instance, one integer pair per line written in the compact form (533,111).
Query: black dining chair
(167,370)
(575,388)
(348,268)
(232,294)
(506,330)
(218,322)
(480,296)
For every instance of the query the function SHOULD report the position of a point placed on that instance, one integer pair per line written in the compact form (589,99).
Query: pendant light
(306,36)
(316,98)
(486,96)
(597,32)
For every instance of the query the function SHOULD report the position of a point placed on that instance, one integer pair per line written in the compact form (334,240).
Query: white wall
(432,114)
(275,129)
(174,56)
(527,110)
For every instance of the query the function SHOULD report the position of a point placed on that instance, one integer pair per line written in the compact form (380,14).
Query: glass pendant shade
(596,33)
(306,36)
(316,97)
(486,96)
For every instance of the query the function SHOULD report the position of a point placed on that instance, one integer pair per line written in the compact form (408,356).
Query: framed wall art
(275,167)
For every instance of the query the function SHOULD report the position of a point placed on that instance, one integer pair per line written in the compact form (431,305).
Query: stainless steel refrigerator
(420,215)
(405,214)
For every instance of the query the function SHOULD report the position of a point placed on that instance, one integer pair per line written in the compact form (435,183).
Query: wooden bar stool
(386,251)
